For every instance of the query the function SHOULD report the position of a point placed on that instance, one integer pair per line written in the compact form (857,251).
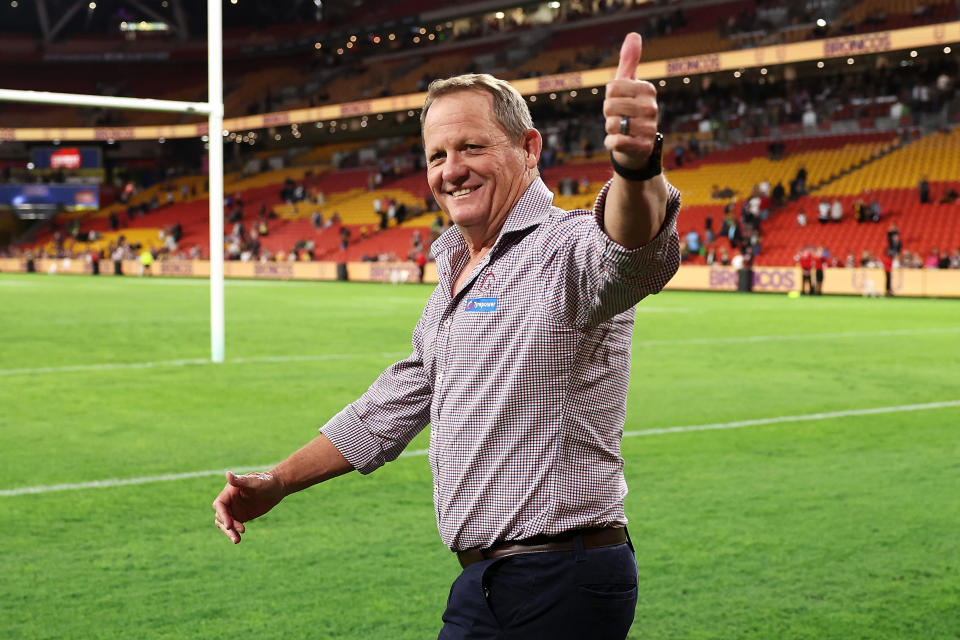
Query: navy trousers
(559,595)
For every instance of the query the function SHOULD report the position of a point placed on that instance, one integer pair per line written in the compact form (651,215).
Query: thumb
(239,481)
(630,52)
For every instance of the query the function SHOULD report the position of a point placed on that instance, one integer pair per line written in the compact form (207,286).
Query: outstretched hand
(244,498)
(637,101)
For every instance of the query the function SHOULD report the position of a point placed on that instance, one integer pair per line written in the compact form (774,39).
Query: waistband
(592,539)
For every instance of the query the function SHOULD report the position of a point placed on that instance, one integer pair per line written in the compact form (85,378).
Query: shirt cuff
(633,262)
(354,441)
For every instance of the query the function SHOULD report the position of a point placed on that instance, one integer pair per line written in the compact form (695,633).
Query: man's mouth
(462,192)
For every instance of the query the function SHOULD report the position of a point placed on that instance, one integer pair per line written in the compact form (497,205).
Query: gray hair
(509,107)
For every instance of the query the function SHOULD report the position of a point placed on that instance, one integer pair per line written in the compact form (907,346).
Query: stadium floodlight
(214,112)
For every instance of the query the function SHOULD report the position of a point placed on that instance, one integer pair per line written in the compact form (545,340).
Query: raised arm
(635,208)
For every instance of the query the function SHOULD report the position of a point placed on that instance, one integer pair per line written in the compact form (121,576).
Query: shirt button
(439,378)
(446,323)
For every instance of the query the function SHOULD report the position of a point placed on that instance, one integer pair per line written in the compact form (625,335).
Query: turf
(839,528)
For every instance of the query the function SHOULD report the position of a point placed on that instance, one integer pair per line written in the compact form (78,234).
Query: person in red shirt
(819,260)
(887,261)
(804,258)
(421,263)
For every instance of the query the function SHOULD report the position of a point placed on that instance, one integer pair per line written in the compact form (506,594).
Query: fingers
(630,52)
(223,519)
(230,527)
(228,531)
(630,109)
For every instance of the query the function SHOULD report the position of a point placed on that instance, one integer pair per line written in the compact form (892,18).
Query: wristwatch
(654,166)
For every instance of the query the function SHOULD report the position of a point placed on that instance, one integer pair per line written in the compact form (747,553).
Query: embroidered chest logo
(487,283)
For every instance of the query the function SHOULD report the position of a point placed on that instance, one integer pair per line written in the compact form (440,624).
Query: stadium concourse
(756,153)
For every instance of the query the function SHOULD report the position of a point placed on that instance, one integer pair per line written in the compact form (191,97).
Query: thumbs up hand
(630,109)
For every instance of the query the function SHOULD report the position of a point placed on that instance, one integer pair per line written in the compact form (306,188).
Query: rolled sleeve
(354,441)
(655,262)
(379,425)
(596,278)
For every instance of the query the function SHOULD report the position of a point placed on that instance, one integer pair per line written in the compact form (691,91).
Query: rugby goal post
(213,109)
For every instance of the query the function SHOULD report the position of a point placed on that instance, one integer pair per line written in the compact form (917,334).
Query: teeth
(461,192)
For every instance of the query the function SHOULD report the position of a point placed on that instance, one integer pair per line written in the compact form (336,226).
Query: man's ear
(532,144)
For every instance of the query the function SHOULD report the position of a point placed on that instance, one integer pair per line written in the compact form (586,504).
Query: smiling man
(520,364)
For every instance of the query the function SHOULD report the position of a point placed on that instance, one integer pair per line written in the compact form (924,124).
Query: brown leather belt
(592,539)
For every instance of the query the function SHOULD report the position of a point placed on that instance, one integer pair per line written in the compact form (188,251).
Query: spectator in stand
(874,209)
(944,262)
(801,180)
(949,196)
(836,210)
(693,242)
(933,260)
(708,236)
(804,259)
(731,229)
(779,195)
(801,218)
(860,210)
(722,194)
(924,187)
(678,152)
(823,212)
(317,220)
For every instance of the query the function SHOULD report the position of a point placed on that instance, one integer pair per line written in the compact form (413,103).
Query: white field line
(115,366)
(119,482)
(802,336)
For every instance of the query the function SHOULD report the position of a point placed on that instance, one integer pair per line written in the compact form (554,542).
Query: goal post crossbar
(110,102)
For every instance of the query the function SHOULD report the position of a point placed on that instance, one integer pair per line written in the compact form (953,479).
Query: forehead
(462,113)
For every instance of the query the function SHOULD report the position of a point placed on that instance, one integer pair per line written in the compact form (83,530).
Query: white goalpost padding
(214,111)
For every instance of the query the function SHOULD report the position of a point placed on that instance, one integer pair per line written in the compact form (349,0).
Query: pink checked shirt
(522,376)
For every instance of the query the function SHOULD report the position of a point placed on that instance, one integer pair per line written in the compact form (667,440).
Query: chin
(464,216)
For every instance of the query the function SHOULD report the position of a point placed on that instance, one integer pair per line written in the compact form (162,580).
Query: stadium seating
(891,178)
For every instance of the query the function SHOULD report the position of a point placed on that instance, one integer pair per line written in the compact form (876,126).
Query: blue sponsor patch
(480,305)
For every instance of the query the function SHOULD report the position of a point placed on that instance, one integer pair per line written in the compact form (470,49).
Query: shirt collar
(531,209)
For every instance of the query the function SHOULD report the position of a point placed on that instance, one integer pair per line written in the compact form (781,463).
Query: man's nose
(454,169)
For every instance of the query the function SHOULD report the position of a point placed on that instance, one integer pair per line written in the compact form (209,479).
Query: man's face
(475,171)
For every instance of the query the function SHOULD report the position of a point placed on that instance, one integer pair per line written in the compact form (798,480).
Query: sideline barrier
(860,281)
(941,283)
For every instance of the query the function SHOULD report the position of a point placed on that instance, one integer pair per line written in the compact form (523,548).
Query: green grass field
(836,527)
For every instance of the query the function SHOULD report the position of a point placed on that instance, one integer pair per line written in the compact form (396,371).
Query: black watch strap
(654,166)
